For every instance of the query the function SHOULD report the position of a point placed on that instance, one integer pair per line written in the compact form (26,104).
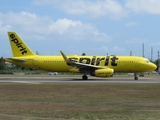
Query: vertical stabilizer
(19,48)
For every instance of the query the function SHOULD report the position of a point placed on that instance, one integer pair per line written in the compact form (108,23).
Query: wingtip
(64,56)
(61,52)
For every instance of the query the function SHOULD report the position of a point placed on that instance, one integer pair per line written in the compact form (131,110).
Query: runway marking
(26,82)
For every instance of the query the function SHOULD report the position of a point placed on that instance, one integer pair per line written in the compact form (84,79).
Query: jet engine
(103,73)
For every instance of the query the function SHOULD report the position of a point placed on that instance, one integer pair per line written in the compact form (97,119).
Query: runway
(78,80)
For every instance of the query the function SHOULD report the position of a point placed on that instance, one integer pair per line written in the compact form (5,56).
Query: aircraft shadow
(88,80)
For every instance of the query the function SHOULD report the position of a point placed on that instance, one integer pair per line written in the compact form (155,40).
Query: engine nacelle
(103,73)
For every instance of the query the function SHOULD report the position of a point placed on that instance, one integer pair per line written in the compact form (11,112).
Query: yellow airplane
(99,66)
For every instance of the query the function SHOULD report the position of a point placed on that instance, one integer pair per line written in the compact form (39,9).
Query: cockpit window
(146,61)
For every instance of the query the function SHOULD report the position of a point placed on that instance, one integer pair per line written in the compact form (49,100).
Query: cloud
(4,28)
(112,50)
(155,43)
(130,24)
(137,41)
(104,48)
(27,22)
(146,6)
(77,30)
(22,18)
(44,28)
(103,8)
(62,25)
(107,8)
(118,49)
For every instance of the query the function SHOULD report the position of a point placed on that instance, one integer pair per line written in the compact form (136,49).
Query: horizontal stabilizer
(15,60)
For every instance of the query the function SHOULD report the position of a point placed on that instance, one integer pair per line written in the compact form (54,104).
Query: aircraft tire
(84,77)
(135,78)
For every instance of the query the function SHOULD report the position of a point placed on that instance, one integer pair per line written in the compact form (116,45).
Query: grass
(80,101)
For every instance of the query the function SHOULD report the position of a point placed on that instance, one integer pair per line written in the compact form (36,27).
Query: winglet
(65,58)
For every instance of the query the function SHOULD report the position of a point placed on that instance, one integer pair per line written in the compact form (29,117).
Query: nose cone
(153,66)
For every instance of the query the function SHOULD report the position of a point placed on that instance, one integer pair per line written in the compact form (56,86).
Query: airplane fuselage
(57,63)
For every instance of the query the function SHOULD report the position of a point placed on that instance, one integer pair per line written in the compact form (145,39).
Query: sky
(93,27)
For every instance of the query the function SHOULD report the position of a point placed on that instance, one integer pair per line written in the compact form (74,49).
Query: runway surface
(78,80)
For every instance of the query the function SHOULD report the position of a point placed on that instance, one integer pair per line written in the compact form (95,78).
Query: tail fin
(19,48)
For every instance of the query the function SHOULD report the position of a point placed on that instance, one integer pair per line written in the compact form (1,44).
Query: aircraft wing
(80,66)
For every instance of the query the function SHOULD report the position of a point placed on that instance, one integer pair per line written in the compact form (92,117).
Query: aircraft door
(137,62)
(36,63)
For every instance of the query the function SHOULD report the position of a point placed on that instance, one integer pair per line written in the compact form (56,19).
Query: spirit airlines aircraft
(99,66)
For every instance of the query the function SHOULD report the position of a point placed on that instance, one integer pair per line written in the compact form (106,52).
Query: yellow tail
(19,48)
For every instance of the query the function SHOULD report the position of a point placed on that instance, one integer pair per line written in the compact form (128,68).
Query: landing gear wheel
(84,77)
(135,78)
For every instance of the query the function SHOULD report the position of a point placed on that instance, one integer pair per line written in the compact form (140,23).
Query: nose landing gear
(135,76)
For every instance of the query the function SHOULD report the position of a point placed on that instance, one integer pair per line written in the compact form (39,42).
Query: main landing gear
(84,77)
(135,76)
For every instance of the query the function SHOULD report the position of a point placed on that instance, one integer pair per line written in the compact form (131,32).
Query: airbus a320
(98,66)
